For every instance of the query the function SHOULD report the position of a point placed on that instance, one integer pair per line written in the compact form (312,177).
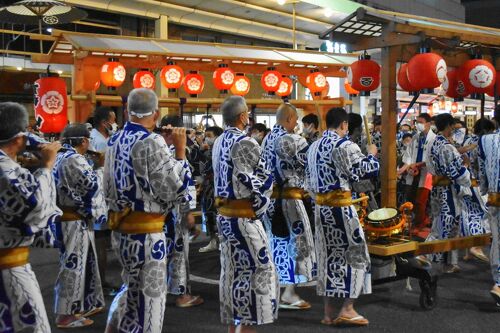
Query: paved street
(464,302)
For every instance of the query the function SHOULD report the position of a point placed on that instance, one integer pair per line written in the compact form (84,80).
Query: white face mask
(459,135)
(257,137)
(420,127)
(210,141)
(308,130)
(434,128)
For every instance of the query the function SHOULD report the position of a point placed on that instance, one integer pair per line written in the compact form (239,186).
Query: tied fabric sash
(134,222)
(241,208)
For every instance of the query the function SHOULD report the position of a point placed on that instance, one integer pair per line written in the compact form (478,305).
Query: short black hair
(355,121)
(426,117)
(335,117)
(215,129)
(311,118)
(483,126)
(73,134)
(444,120)
(407,135)
(409,127)
(101,113)
(174,121)
(13,120)
(461,122)
(259,127)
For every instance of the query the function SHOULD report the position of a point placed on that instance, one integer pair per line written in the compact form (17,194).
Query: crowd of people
(275,203)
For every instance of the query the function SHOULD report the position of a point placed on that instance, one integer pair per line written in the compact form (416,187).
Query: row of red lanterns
(113,75)
(426,71)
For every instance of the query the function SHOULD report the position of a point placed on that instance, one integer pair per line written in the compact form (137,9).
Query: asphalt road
(464,303)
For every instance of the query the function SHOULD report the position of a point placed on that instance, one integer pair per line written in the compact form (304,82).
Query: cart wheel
(428,296)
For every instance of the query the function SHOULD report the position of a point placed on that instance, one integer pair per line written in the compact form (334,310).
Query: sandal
(299,305)
(327,322)
(193,301)
(354,321)
(79,322)
(496,296)
(92,312)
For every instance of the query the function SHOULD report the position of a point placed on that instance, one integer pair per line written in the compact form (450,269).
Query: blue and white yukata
(177,237)
(489,180)
(447,201)
(27,206)
(142,174)
(293,255)
(249,289)
(474,215)
(78,286)
(333,163)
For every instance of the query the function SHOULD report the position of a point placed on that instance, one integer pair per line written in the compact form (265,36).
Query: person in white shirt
(104,126)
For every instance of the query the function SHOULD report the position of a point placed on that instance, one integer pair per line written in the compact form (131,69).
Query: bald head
(286,116)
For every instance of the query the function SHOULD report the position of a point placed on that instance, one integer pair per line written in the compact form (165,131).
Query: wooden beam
(31,35)
(391,39)
(445,245)
(388,166)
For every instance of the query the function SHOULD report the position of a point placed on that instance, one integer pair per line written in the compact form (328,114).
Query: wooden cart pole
(388,176)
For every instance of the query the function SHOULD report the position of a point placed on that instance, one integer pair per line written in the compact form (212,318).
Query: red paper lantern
(223,78)
(286,87)
(454,107)
(426,71)
(241,85)
(316,82)
(349,89)
(194,83)
(144,79)
(113,74)
(403,81)
(51,104)
(270,80)
(364,75)
(171,76)
(491,91)
(479,75)
(454,86)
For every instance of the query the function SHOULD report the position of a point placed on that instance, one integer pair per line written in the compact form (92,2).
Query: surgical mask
(308,130)
(210,141)
(420,127)
(459,135)
(434,128)
(257,137)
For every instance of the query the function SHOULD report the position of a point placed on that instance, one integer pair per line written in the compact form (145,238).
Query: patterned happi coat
(177,237)
(489,180)
(474,212)
(78,286)
(293,255)
(27,206)
(248,282)
(142,174)
(447,201)
(333,163)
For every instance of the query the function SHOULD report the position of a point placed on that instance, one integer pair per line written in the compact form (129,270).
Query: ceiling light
(19,68)
(59,72)
(49,30)
(281,2)
(328,12)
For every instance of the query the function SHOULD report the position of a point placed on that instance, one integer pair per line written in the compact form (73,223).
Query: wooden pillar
(388,176)
(86,72)
(161,31)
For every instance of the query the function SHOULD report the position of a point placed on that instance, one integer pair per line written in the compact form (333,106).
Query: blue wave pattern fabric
(27,206)
(447,201)
(489,181)
(249,287)
(141,173)
(333,163)
(293,255)
(78,286)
